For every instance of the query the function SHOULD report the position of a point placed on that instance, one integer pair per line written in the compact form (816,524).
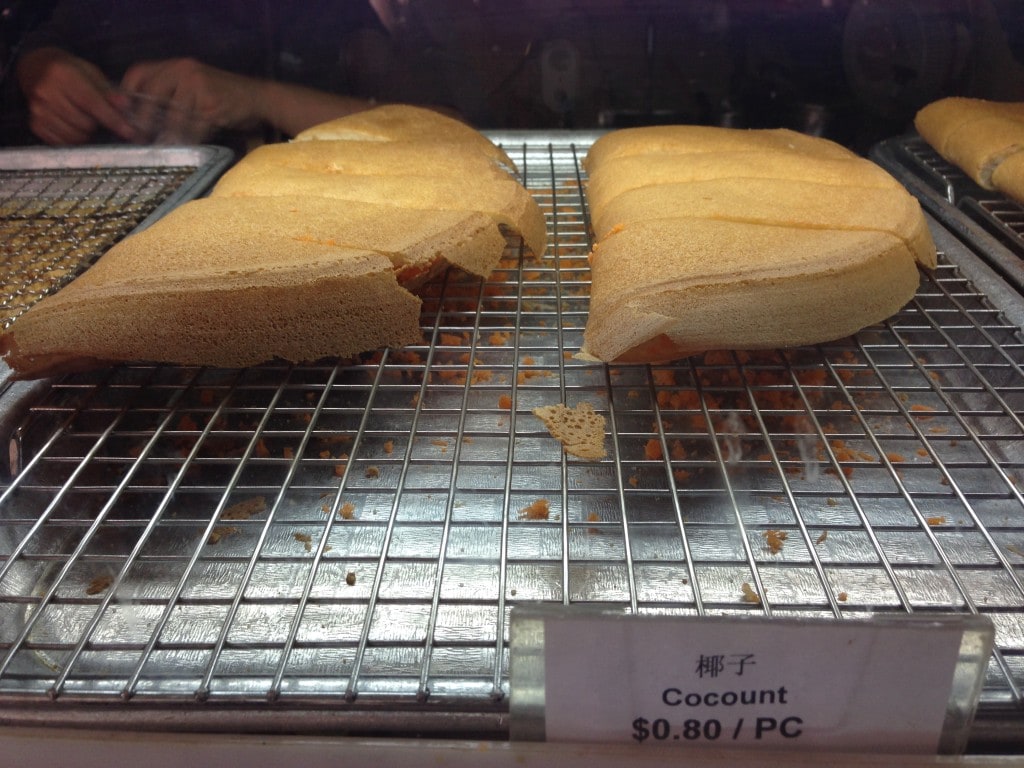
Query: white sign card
(749,683)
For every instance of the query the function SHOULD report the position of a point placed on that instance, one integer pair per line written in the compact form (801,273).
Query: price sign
(887,685)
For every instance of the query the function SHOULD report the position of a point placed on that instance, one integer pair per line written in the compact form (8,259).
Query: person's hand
(69,99)
(185,100)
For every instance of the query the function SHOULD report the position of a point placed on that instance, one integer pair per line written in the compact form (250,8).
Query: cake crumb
(775,540)
(99,584)
(305,539)
(750,594)
(538,510)
(580,430)
(220,532)
(243,510)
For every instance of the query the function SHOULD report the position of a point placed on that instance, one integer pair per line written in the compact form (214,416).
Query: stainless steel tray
(366,581)
(61,208)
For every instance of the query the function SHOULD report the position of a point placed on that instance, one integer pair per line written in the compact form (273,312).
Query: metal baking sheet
(60,209)
(337,547)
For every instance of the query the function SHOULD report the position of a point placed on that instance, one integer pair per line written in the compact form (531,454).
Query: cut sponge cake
(622,174)
(305,250)
(402,122)
(809,205)
(706,140)
(798,243)
(392,174)
(666,289)
(376,158)
(416,242)
(1008,177)
(974,134)
(308,302)
(286,277)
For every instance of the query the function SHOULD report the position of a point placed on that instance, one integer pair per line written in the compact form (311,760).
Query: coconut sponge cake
(720,239)
(420,175)
(402,122)
(809,205)
(305,250)
(666,289)
(1008,177)
(974,134)
(985,139)
(706,140)
(285,277)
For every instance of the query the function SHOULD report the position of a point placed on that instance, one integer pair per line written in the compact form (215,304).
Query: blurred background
(852,70)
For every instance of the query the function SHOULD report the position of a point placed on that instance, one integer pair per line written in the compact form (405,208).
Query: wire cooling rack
(990,221)
(338,546)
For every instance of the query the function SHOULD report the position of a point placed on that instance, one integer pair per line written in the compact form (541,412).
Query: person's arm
(68,98)
(216,99)
(293,108)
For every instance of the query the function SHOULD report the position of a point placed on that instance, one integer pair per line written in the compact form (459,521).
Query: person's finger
(94,100)
(114,120)
(55,128)
(60,119)
(175,88)
(68,113)
(83,108)
(154,79)
(135,77)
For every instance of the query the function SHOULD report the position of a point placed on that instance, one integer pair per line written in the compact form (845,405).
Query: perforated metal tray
(366,582)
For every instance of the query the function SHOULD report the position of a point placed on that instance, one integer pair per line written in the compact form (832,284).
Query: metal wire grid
(354,536)
(1008,213)
(1000,215)
(56,221)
